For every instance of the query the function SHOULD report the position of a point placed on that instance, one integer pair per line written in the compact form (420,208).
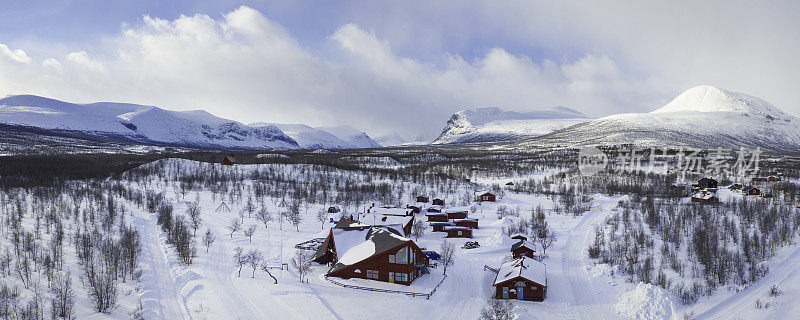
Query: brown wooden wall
(528,292)
(380,262)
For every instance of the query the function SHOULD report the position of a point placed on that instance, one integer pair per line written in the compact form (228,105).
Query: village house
(707,183)
(458,232)
(522,248)
(519,237)
(460,214)
(438,202)
(433,210)
(338,241)
(436,216)
(773,179)
(423,199)
(466,222)
(333,210)
(439,226)
(383,256)
(487,197)
(521,279)
(751,191)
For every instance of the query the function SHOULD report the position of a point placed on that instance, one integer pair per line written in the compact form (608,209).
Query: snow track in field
(161,300)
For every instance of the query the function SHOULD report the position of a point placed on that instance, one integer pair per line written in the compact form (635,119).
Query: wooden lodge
(456,214)
(466,222)
(383,256)
(402,223)
(333,210)
(522,249)
(229,160)
(433,210)
(439,226)
(751,191)
(521,279)
(487,197)
(707,183)
(436,216)
(519,237)
(438,202)
(423,199)
(458,232)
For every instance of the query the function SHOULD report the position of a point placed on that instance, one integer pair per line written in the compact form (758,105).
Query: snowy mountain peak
(494,124)
(707,98)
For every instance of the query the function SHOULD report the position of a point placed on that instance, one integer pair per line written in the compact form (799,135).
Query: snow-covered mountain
(493,124)
(139,124)
(390,140)
(357,138)
(311,138)
(703,116)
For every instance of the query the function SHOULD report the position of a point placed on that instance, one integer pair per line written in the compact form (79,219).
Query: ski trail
(236,305)
(163,298)
(745,298)
(583,296)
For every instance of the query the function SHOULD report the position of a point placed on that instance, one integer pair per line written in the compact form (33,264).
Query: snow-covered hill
(391,139)
(703,116)
(357,138)
(493,124)
(139,123)
(308,137)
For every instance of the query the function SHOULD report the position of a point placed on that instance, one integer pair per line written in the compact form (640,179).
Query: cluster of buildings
(705,190)
(456,223)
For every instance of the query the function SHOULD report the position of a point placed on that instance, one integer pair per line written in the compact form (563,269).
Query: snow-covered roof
(523,267)
(379,241)
(384,220)
(456,228)
(703,195)
(523,243)
(391,211)
(344,240)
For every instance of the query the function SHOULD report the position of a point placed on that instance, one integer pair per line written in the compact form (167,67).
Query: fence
(412,294)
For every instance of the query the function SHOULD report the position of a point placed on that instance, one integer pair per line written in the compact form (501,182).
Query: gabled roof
(523,267)
(379,241)
(346,223)
(523,243)
(384,220)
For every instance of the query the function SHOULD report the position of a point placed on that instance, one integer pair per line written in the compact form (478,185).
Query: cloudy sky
(396,66)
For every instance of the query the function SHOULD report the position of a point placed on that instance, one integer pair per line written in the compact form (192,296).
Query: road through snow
(161,299)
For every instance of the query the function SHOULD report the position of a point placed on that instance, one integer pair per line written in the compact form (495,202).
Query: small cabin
(229,160)
(458,232)
(440,226)
(519,237)
(487,197)
(433,210)
(773,179)
(469,223)
(707,183)
(735,186)
(436,217)
(333,210)
(510,184)
(522,249)
(422,199)
(521,279)
(457,215)
(414,209)
(438,202)
(751,191)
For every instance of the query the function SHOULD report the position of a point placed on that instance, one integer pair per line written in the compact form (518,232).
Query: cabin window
(372,274)
(412,260)
(391,258)
(402,256)
(391,276)
(401,277)
(533,286)
(461,233)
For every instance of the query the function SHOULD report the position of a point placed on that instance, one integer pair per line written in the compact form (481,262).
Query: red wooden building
(521,279)
(383,256)
(522,249)
(487,197)
(457,214)
(458,232)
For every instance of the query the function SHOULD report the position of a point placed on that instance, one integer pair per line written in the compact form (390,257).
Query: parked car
(432,254)
(471,245)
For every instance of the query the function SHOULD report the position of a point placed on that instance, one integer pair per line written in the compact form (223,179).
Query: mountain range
(702,116)
(150,125)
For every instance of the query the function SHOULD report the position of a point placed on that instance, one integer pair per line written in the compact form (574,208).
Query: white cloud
(16,55)
(247,67)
